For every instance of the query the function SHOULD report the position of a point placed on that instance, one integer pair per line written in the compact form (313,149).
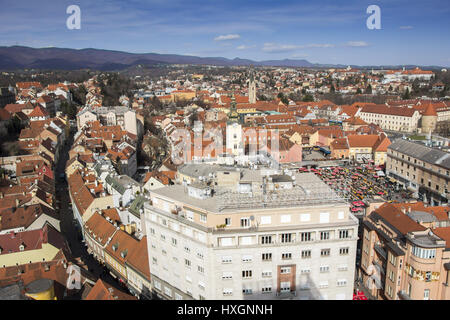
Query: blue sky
(412,32)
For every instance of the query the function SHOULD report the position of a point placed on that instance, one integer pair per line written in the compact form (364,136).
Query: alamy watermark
(374,20)
(74,20)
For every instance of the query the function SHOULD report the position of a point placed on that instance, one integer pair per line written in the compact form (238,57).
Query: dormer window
(22,247)
(124,253)
(115,246)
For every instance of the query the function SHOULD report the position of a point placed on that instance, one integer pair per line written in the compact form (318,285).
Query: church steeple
(233,115)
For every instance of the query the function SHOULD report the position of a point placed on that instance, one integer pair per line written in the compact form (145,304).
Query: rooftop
(306,190)
(422,152)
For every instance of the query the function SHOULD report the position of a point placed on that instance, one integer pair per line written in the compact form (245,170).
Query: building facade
(421,169)
(283,241)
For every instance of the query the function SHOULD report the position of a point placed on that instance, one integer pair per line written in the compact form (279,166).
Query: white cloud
(227,37)
(406,27)
(275,48)
(357,44)
(244,47)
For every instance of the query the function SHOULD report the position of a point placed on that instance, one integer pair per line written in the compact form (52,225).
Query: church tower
(252,88)
(429,119)
(234,131)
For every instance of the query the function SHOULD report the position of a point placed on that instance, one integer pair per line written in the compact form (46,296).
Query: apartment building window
(228,222)
(227,259)
(286,237)
(187,249)
(189,279)
(201,286)
(325,252)
(285,270)
(286,218)
(266,239)
(266,220)
(154,260)
(247,258)
(227,275)
(157,284)
(189,215)
(178,296)
(152,231)
(285,286)
(266,274)
(341,283)
(306,236)
(200,255)
(266,289)
(423,253)
(175,259)
(343,251)
(392,259)
(305,217)
(344,234)
(305,270)
(366,234)
(323,284)
(306,254)
(174,242)
(286,256)
(187,263)
(426,294)
(324,269)
(227,292)
(267,257)
(245,222)
(168,292)
(342,267)
(200,269)
(246,274)
(247,291)
(389,291)
(324,235)
(163,237)
(164,252)
(428,276)
(391,276)
(203,218)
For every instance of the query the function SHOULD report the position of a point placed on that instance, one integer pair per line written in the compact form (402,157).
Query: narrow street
(68,225)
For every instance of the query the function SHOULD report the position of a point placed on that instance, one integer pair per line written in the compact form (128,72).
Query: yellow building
(30,246)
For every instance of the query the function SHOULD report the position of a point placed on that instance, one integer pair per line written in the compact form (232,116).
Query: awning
(380,173)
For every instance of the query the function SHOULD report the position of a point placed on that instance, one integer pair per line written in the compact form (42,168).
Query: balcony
(403,295)
(380,250)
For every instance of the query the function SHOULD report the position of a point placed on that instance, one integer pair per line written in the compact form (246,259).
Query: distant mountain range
(19,57)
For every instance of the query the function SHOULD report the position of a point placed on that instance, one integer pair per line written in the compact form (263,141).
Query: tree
(406,95)
(308,98)
(332,89)
(369,89)
(358,91)
(283,98)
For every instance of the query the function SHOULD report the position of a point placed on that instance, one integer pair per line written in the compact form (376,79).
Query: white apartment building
(270,236)
(391,118)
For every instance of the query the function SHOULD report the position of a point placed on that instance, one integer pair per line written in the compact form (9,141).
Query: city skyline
(326,33)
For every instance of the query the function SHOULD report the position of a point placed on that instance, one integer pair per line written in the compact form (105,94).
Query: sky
(320,31)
